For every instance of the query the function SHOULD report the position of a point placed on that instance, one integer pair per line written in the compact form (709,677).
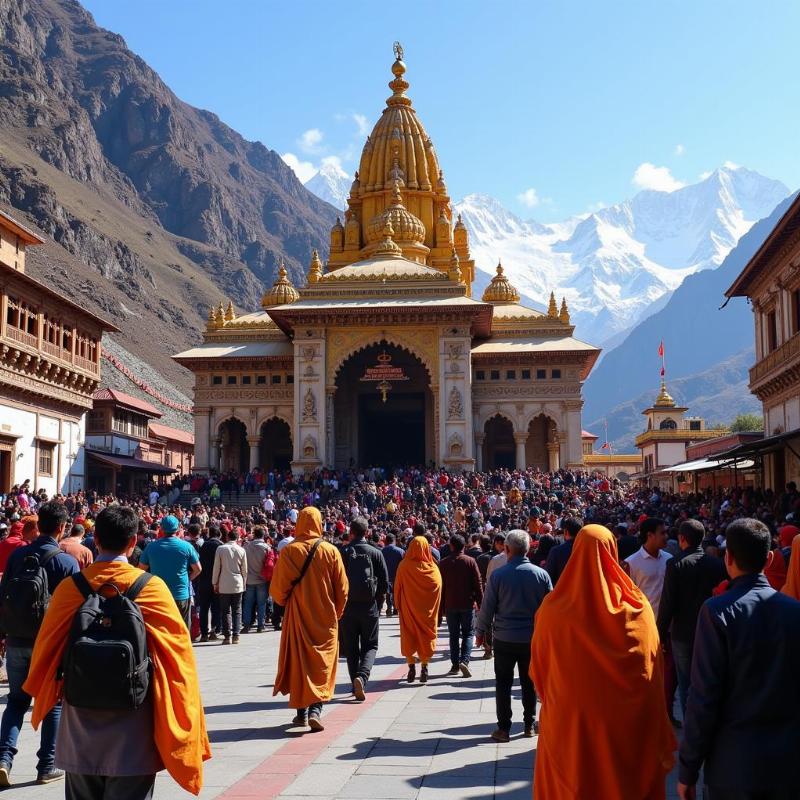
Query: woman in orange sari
(417,594)
(596,662)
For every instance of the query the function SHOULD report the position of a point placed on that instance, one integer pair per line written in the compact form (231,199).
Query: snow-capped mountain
(330,183)
(620,264)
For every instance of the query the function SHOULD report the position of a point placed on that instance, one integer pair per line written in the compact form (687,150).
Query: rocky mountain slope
(708,351)
(157,209)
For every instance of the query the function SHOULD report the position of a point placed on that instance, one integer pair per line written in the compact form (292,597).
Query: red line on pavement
(277,771)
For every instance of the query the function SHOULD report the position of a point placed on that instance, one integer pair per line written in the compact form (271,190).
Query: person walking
(256,594)
(558,556)
(689,581)
(207,599)
(392,555)
(229,579)
(368,582)
(741,723)
(310,583)
(71,544)
(417,595)
(461,591)
(513,594)
(596,661)
(21,623)
(116,752)
(176,562)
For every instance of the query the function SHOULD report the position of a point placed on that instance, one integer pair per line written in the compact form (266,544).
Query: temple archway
(234,451)
(383,409)
(541,444)
(275,446)
(498,443)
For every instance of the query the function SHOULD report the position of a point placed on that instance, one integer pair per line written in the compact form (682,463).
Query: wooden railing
(787,352)
(85,363)
(21,336)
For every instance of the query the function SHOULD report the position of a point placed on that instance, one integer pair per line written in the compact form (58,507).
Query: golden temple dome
(664,397)
(282,291)
(398,147)
(500,289)
(405,226)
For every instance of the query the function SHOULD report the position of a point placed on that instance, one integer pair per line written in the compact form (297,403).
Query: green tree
(747,422)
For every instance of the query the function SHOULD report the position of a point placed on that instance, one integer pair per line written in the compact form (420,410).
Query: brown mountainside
(159,209)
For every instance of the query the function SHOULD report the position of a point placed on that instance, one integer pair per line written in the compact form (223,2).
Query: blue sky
(552,107)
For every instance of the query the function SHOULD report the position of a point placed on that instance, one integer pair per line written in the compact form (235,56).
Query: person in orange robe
(597,663)
(417,594)
(792,585)
(310,635)
(179,728)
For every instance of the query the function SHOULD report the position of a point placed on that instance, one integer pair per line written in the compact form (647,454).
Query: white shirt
(269,504)
(647,573)
(283,542)
(293,512)
(153,497)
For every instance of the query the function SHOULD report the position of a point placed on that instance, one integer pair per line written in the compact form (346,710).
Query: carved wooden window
(541,374)
(261,379)
(772,331)
(795,311)
(511,374)
(246,380)
(555,374)
(231,380)
(668,425)
(290,379)
(276,379)
(45,458)
(95,422)
(480,375)
(216,380)
(494,375)
(526,374)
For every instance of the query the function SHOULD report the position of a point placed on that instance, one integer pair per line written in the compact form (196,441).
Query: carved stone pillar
(553,461)
(520,439)
(479,439)
(216,454)
(330,449)
(254,442)
(202,457)
(310,434)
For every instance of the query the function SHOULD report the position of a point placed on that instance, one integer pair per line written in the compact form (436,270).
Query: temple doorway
(383,409)
(234,451)
(275,448)
(499,449)
(541,431)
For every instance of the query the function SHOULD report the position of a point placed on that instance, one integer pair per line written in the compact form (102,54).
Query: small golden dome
(387,247)
(282,291)
(664,397)
(406,227)
(315,271)
(500,289)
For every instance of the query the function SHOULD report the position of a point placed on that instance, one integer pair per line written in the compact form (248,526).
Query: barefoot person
(417,594)
(310,583)
(597,663)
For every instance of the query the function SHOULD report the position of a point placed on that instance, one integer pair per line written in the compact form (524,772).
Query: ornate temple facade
(384,356)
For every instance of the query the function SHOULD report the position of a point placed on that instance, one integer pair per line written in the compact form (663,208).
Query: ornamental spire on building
(282,291)
(500,289)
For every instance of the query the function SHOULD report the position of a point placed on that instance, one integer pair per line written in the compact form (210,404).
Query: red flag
(662,372)
(661,349)
(605,446)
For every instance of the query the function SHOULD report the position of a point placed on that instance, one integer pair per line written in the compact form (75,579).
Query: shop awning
(125,462)
(709,463)
(770,444)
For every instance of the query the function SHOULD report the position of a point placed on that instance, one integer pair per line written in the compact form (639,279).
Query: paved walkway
(426,742)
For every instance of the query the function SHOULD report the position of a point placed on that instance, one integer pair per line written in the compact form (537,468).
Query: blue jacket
(743,715)
(513,595)
(57,568)
(392,555)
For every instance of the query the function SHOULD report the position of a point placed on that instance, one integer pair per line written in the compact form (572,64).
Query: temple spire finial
(563,315)
(552,309)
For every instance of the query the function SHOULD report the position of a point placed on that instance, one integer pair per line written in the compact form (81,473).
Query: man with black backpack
(32,574)
(114,643)
(368,577)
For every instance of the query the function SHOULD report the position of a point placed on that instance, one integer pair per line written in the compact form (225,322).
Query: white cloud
(529,198)
(310,140)
(362,123)
(304,170)
(731,165)
(660,179)
(596,206)
(679,149)
(705,175)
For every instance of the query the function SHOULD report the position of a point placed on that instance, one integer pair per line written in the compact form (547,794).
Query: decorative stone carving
(309,448)
(455,405)
(308,352)
(455,350)
(309,407)
(455,446)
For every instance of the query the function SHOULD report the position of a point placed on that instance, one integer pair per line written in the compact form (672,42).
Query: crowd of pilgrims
(420,519)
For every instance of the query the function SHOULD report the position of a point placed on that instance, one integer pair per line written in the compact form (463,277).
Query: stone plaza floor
(423,742)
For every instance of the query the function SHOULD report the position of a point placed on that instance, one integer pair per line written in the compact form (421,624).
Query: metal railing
(787,352)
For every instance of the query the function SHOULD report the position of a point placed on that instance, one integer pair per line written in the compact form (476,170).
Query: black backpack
(26,596)
(360,575)
(106,665)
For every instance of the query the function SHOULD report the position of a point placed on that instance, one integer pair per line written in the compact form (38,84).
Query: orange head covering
(309,524)
(792,585)
(417,594)
(596,661)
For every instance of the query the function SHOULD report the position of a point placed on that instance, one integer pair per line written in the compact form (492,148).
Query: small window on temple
(541,374)
(480,375)
(246,380)
(290,379)
(556,374)
(231,380)
(495,375)
(526,374)
(216,380)
(511,374)
(261,379)
(276,378)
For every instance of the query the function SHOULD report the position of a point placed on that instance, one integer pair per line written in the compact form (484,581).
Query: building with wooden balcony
(49,368)
(771,282)
(668,435)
